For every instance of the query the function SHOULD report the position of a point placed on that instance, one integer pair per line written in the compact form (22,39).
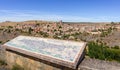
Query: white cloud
(26,15)
(23,15)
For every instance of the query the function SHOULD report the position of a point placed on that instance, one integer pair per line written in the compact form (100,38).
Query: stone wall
(30,63)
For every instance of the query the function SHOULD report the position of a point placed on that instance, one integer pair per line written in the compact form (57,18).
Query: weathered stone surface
(18,61)
(29,63)
(87,63)
(2,53)
(95,64)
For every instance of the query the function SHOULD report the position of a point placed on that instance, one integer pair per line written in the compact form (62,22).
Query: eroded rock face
(2,53)
(3,65)
(29,63)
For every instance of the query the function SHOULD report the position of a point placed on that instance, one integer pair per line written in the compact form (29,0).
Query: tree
(10,27)
(9,31)
(112,23)
(60,26)
(55,30)
(30,30)
(48,26)
(106,32)
(45,34)
(37,24)
(116,47)
(0,42)
(65,36)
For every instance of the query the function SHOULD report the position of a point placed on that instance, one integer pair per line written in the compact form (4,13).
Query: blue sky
(55,10)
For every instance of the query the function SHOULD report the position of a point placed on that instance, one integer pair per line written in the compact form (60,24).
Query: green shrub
(60,26)
(113,54)
(30,30)
(100,51)
(116,47)
(2,62)
(0,42)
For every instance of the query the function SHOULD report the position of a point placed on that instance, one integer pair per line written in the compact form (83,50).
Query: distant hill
(87,22)
(10,23)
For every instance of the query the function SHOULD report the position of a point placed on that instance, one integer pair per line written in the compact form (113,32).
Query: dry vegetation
(109,37)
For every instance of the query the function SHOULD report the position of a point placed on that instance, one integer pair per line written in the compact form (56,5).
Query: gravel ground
(95,64)
(4,68)
(113,39)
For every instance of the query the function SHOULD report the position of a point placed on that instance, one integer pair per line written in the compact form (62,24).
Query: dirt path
(95,64)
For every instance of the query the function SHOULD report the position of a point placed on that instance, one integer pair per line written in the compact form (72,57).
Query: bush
(17,67)
(100,51)
(60,26)
(56,37)
(96,51)
(0,42)
(106,32)
(10,27)
(2,62)
(116,47)
(113,54)
(65,36)
(30,30)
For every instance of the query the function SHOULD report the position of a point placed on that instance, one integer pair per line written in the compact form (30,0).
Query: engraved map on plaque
(60,49)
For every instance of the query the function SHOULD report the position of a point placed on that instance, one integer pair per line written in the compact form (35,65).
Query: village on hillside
(105,32)
(102,38)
